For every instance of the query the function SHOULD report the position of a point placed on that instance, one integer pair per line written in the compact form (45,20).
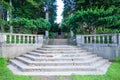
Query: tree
(34,26)
(69,7)
(94,18)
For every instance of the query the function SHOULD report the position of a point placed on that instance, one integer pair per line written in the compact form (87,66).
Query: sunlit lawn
(6,74)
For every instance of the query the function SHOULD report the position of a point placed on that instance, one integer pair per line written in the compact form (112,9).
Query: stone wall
(11,51)
(108,52)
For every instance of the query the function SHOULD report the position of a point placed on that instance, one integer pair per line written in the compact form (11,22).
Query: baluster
(27,39)
(31,39)
(91,38)
(103,39)
(108,39)
(15,41)
(98,39)
(94,39)
(23,39)
(10,37)
(87,39)
(19,37)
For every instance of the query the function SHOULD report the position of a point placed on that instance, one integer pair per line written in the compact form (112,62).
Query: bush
(67,35)
(51,35)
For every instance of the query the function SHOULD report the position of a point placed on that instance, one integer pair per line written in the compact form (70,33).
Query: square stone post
(115,39)
(119,39)
(2,43)
(2,39)
(47,34)
(39,39)
(71,33)
(80,40)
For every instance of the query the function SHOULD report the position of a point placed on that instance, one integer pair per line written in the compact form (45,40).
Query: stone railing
(12,45)
(98,39)
(104,45)
(7,38)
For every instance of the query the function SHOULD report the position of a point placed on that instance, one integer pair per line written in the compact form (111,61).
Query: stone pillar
(80,40)
(39,39)
(46,33)
(114,39)
(71,33)
(47,18)
(47,15)
(2,43)
(2,39)
(119,39)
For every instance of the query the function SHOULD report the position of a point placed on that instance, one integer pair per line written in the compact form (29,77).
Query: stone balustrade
(104,45)
(8,38)
(13,45)
(98,39)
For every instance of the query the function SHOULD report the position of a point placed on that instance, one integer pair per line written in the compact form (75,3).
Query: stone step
(58,63)
(59,73)
(50,49)
(57,58)
(60,46)
(59,51)
(54,55)
(26,68)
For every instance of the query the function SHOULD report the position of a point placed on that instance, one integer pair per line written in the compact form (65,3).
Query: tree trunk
(10,15)
(1,26)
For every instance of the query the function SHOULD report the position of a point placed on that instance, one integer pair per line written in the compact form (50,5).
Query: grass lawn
(6,74)
(112,74)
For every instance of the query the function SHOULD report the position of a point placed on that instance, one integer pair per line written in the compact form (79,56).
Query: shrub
(51,35)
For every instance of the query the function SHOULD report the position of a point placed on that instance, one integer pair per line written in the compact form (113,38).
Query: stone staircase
(54,60)
(58,42)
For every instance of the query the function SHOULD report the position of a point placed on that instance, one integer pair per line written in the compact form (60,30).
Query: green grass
(113,73)
(6,74)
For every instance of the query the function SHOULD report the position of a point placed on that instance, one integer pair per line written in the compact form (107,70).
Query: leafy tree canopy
(93,18)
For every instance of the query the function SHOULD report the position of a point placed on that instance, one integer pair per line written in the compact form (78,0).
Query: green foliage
(102,30)
(6,5)
(54,27)
(4,23)
(42,23)
(95,13)
(113,73)
(93,17)
(33,25)
(67,36)
(51,35)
